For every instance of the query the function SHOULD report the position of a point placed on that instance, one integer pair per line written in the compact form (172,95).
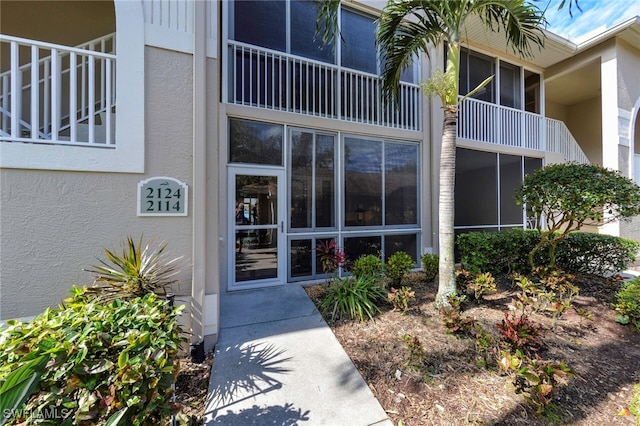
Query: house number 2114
(162,196)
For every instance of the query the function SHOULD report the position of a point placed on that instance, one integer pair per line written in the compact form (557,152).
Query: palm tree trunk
(446,270)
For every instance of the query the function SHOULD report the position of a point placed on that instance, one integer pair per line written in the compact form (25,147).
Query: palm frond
(138,270)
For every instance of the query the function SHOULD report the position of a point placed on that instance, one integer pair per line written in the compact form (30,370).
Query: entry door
(257,243)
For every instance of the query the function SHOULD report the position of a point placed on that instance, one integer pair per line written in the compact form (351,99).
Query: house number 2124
(163,199)
(162,196)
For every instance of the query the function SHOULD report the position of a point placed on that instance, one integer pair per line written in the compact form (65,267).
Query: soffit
(556,49)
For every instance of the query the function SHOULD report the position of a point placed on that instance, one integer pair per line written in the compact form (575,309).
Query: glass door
(256,228)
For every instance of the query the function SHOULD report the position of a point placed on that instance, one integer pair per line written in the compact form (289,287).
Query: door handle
(282,226)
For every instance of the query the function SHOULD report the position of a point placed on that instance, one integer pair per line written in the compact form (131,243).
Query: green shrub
(537,380)
(398,266)
(482,283)
(596,254)
(401,298)
(628,303)
(353,298)
(106,360)
(496,252)
(368,266)
(430,265)
(580,252)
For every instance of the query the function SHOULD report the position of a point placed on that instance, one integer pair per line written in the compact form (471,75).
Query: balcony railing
(486,122)
(58,94)
(274,80)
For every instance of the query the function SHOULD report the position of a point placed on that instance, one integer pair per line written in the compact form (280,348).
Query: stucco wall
(628,76)
(584,120)
(54,224)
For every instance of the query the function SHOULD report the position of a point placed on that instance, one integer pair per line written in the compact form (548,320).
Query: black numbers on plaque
(163,199)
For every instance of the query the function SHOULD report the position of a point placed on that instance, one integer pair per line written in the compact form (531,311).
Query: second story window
(359,47)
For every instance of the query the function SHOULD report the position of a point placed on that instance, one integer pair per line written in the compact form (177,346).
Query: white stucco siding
(628,76)
(54,224)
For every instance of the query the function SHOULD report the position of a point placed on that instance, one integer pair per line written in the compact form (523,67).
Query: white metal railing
(58,94)
(275,80)
(487,122)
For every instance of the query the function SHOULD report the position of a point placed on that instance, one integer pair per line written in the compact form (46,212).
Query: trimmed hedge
(581,252)
(106,361)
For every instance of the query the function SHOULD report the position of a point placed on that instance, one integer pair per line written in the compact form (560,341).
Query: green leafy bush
(415,352)
(628,303)
(368,266)
(398,266)
(580,252)
(107,361)
(537,380)
(430,265)
(353,298)
(401,298)
(496,252)
(596,254)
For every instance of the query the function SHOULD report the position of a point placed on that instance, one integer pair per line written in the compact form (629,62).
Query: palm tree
(410,27)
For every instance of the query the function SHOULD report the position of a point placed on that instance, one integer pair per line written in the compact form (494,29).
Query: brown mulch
(453,388)
(192,385)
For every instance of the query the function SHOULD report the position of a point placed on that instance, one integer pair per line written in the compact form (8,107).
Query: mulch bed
(453,388)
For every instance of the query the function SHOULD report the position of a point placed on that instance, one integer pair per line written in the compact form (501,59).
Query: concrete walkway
(278,363)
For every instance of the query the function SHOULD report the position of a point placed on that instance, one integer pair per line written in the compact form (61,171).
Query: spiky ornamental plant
(137,271)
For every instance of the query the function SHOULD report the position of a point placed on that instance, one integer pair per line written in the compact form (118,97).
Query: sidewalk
(278,363)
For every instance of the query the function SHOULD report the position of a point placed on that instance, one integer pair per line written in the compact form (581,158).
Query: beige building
(267,143)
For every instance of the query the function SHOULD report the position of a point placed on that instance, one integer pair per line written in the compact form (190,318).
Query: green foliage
(398,266)
(537,380)
(19,385)
(520,333)
(634,404)
(401,298)
(564,197)
(430,265)
(137,271)
(475,285)
(353,298)
(482,283)
(415,352)
(368,266)
(548,289)
(452,319)
(628,303)
(107,360)
(580,252)
(595,254)
(497,252)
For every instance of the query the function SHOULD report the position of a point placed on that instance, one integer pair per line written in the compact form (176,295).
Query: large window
(312,180)
(380,183)
(379,201)
(474,69)
(485,189)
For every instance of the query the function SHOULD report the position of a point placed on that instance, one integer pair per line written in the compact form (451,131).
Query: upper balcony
(55,94)
(265,78)
(487,122)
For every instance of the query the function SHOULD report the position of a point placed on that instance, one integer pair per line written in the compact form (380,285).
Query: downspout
(199,181)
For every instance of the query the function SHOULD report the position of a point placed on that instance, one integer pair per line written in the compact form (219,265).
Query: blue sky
(596,17)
